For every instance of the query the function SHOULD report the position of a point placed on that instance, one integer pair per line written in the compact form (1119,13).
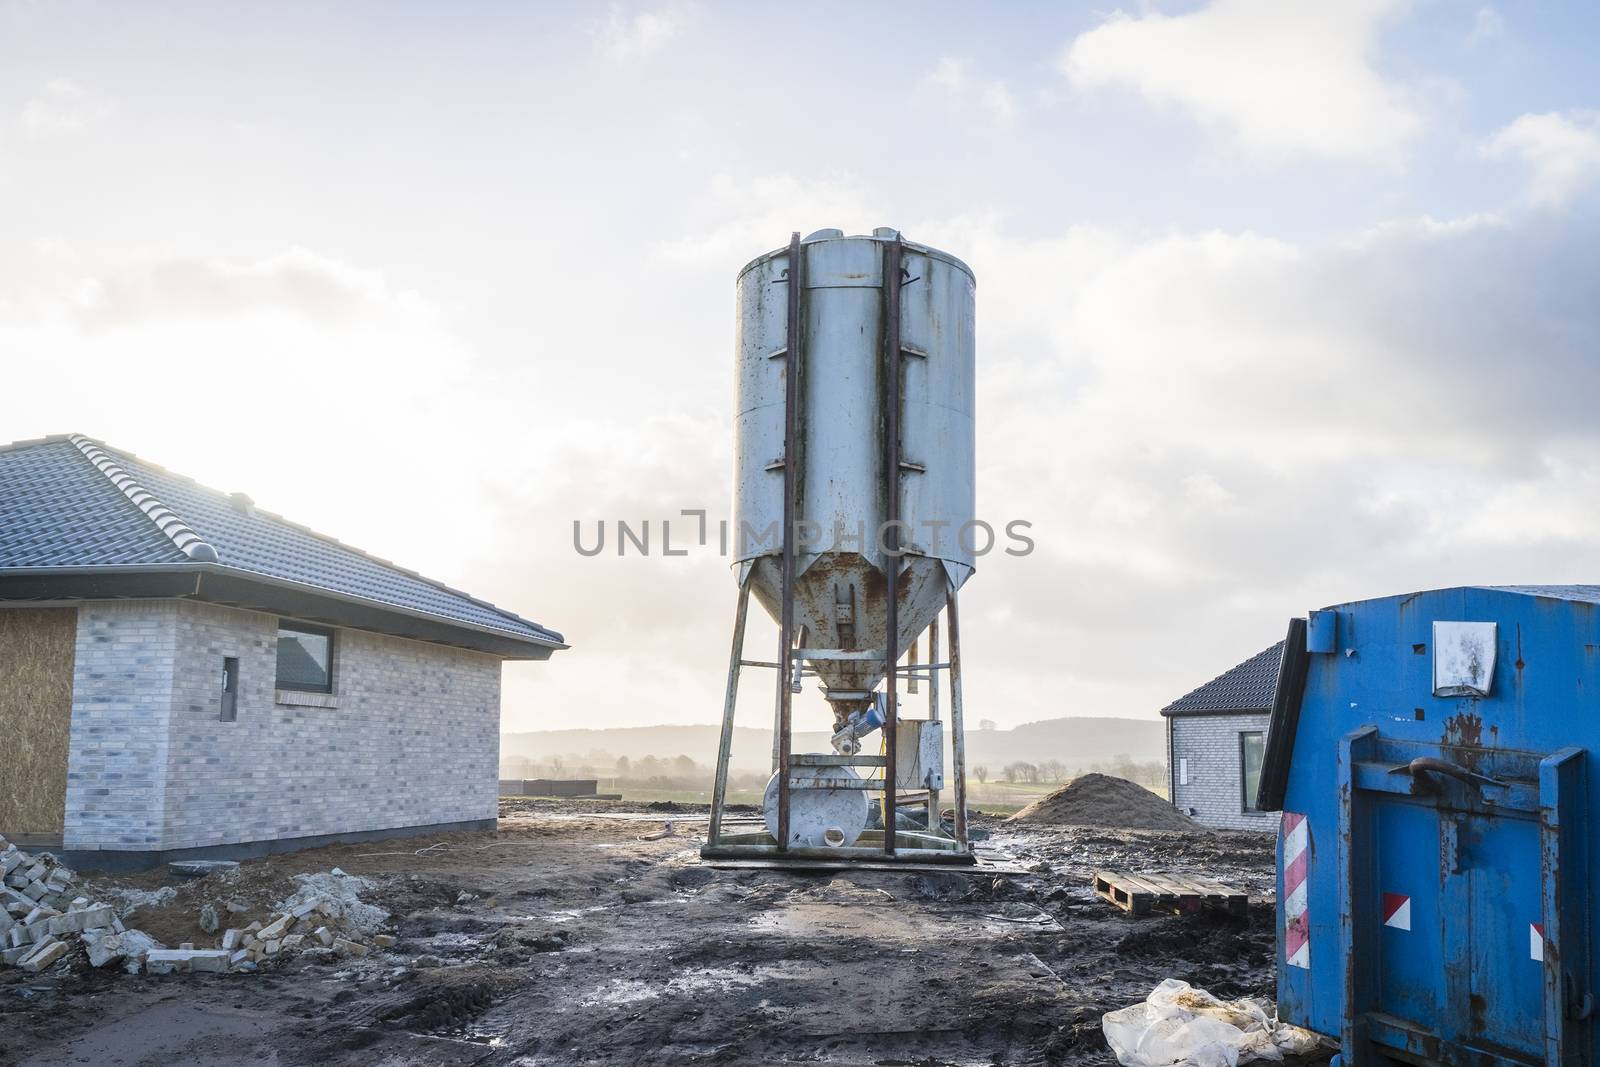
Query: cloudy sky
(1280,303)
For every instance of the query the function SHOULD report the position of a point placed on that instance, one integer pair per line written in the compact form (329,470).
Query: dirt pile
(1101,800)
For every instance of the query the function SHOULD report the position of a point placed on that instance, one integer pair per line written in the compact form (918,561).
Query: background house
(1217,740)
(182,673)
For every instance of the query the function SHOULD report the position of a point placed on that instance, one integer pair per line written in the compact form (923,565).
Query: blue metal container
(1434,862)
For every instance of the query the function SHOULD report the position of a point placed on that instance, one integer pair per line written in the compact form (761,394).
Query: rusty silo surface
(841,495)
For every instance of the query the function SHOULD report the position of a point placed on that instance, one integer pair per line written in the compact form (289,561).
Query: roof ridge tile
(166,520)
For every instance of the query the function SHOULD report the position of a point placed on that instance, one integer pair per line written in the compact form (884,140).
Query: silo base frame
(908,846)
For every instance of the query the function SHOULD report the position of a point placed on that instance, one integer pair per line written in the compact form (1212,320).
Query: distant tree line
(666,772)
(656,772)
(682,772)
(1054,772)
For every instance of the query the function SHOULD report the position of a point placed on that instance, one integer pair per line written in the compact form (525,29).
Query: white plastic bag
(1180,1026)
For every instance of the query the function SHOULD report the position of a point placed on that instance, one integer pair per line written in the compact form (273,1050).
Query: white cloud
(674,461)
(63,106)
(954,78)
(627,38)
(294,282)
(1283,77)
(1408,339)
(744,216)
(1487,25)
(1215,430)
(1562,152)
(264,361)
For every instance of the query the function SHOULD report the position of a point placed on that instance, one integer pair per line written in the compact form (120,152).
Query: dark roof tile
(58,510)
(1247,687)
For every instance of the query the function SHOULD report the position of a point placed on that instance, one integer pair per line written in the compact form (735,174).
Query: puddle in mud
(479,1036)
(566,915)
(889,922)
(449,940)
(619,992)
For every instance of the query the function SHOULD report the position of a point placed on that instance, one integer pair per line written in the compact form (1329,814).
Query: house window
(1183,770)
(229,711)
(1252,754)
(305,658)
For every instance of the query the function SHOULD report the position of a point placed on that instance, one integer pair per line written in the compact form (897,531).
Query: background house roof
(73,503)
(1247,687)
(1586,594)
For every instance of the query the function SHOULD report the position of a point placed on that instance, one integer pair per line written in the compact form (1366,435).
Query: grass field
(1005,797)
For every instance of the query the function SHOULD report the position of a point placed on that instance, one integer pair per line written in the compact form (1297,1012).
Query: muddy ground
(567,939)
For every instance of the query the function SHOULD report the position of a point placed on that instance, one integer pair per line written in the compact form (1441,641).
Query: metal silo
(854,434)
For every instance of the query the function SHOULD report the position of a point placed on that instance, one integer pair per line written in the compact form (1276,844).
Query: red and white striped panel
(1397,911)
(1296,919)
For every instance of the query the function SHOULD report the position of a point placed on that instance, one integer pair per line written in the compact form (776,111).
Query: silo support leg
(719,793)
(958,736)
(933,711)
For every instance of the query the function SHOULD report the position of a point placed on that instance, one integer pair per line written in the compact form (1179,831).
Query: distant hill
(1074,741)
(1077,742)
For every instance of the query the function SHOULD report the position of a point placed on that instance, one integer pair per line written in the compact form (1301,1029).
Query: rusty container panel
(1435,864)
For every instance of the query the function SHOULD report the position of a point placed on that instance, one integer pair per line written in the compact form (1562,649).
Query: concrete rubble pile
(42,918)
(310,924)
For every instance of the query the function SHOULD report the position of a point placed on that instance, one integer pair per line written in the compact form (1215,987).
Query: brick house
(183,674)
(1217,740)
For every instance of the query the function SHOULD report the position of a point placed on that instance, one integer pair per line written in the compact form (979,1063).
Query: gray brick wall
(121,707)
(412,737)
(1215,789)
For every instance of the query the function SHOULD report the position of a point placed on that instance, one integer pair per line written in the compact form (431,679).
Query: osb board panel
(36,652)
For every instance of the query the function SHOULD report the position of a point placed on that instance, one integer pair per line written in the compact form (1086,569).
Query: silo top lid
(882,233)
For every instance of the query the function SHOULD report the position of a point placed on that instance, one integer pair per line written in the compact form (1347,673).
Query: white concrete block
(212,961)
(165,960)
(44,956)
(276,929)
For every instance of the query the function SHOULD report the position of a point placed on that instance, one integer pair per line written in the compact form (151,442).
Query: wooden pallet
(1140,894)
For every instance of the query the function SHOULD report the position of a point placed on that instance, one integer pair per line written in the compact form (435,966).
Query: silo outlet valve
(847,740)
